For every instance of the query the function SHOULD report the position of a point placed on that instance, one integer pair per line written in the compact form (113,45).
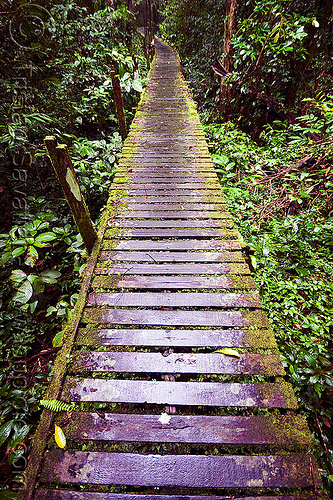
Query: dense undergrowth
(283,208)
(55,81)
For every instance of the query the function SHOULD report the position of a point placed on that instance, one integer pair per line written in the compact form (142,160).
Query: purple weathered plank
(259,395)
(124,256)
(188,268)
(173,245)
(162,282)
(152,362)
(190,187)
(42,494)
(163,337)
(199,299)
(287,431)
(147,213)
(260,471)
(208,232)
(201,207)
(175,317)
(129,223)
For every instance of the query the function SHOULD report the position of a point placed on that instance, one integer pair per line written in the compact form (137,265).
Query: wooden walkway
(166,292)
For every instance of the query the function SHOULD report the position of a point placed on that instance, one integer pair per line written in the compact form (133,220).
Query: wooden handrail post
(63,166)
(118,99)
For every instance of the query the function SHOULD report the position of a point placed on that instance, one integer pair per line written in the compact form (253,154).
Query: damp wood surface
(172,366)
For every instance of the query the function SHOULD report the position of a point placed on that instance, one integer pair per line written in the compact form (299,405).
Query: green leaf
(19,436)
(18,251)
(24,293)
(229,352)
(137,86)
(37,283)
(58,339)
(15,457)
(42,239)
(31,256)
(17,276)
(5,431)
(50,276)
(5,258)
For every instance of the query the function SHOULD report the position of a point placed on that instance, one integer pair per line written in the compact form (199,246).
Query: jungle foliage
(271,140)
(55,80)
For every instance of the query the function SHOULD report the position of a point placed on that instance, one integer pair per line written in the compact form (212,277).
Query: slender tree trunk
(118,99)
(229,30)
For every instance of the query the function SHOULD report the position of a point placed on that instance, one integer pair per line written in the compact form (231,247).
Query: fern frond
(55,405)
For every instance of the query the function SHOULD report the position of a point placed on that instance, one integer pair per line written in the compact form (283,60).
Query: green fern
(54,405)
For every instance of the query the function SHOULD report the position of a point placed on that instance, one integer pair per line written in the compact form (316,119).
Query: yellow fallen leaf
(229,352)
(59,436)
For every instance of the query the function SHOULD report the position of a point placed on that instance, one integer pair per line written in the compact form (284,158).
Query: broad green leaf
(19,436)
(31,256)
(17,276)
(42,239)
(59,436)
(18,251)
(137,86)
(37,283)
(24,293)
(229,352)
(58,339)
(50,276)
(5,431)
(5,258)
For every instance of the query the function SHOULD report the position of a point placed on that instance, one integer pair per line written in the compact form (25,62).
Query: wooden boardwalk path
(166,291)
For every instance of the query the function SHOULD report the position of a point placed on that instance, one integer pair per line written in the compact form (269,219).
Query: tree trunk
(229,30)
(118,99)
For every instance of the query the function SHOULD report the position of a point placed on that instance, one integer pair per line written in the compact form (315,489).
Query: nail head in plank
(77,467)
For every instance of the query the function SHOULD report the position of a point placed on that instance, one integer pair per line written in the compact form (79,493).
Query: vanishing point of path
(169,334)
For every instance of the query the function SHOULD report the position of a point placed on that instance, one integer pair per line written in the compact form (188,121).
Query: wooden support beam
(118,99)
(63,166)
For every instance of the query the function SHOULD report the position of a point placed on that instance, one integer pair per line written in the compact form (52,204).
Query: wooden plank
(152,362)
(173,245)
(173,233)
(163,337)
(155,269)
(162,282)
(175,317)
(223,223)
(189,187)
(124,256)
(169,214)
(283,471)
(189,299)
(42,494)
(260,395)
(163,197)
(287,431)
(178,206)
(140,175)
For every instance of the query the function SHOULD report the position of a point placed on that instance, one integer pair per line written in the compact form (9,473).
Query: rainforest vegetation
(261,73)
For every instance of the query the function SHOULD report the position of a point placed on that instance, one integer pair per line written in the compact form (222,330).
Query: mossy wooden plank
(153,224)
(172,337)
(173,245)
(209,232)
(175,317)
(286,431)
(162,282)
(125,256)
(247,395)
(148,213)
(152,362)
(199,299)
(178,206)
(188,268)
(50,494)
